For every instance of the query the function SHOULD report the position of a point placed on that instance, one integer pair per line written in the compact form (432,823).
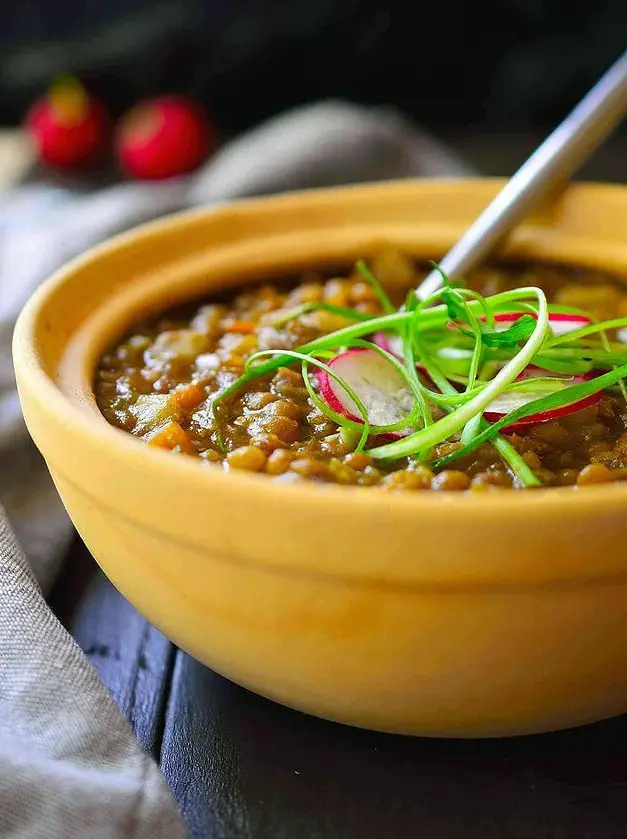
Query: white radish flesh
(379,386)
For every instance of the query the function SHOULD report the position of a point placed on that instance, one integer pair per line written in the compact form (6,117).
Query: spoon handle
(550,166)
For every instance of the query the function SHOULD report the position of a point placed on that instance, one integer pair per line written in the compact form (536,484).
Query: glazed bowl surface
(436,614)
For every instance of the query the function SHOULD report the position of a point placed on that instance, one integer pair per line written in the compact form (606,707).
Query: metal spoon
(549,167)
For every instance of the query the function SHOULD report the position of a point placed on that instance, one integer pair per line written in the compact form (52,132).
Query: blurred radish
(69,128)
(163,138)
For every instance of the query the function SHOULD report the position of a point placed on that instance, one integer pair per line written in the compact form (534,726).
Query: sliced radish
(394,345)
(390,343)
(509,401)
(561,323)
(379,386)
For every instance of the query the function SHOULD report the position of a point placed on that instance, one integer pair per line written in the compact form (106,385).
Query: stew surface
(158,384)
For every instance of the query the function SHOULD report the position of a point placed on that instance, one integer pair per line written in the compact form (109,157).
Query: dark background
(484,65)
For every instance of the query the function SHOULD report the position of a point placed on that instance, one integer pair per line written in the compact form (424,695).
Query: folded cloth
(69,764)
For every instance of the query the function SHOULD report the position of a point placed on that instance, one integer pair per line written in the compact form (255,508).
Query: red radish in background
(378,384)
(510,400)
(68,127)
(163,138)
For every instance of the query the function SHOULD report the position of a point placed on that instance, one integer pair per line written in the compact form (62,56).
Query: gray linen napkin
(69,764)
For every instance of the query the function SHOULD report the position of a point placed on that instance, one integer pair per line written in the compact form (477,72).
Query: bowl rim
(543,502)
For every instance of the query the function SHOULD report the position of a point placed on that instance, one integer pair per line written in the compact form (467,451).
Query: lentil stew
(160,383)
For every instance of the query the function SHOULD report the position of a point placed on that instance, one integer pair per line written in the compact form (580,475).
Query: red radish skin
(556,413)
(375,381)
(68,128)
(163,138)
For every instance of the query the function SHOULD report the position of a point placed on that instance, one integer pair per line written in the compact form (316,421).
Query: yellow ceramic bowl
(431,614)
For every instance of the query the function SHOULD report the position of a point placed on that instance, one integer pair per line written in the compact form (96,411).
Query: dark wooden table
(244,768)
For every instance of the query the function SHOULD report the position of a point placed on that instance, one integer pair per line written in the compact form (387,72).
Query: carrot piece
(242,327)
(188,397)
(172,436)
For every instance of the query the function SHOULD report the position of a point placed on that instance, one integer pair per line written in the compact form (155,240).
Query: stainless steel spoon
(548,168)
